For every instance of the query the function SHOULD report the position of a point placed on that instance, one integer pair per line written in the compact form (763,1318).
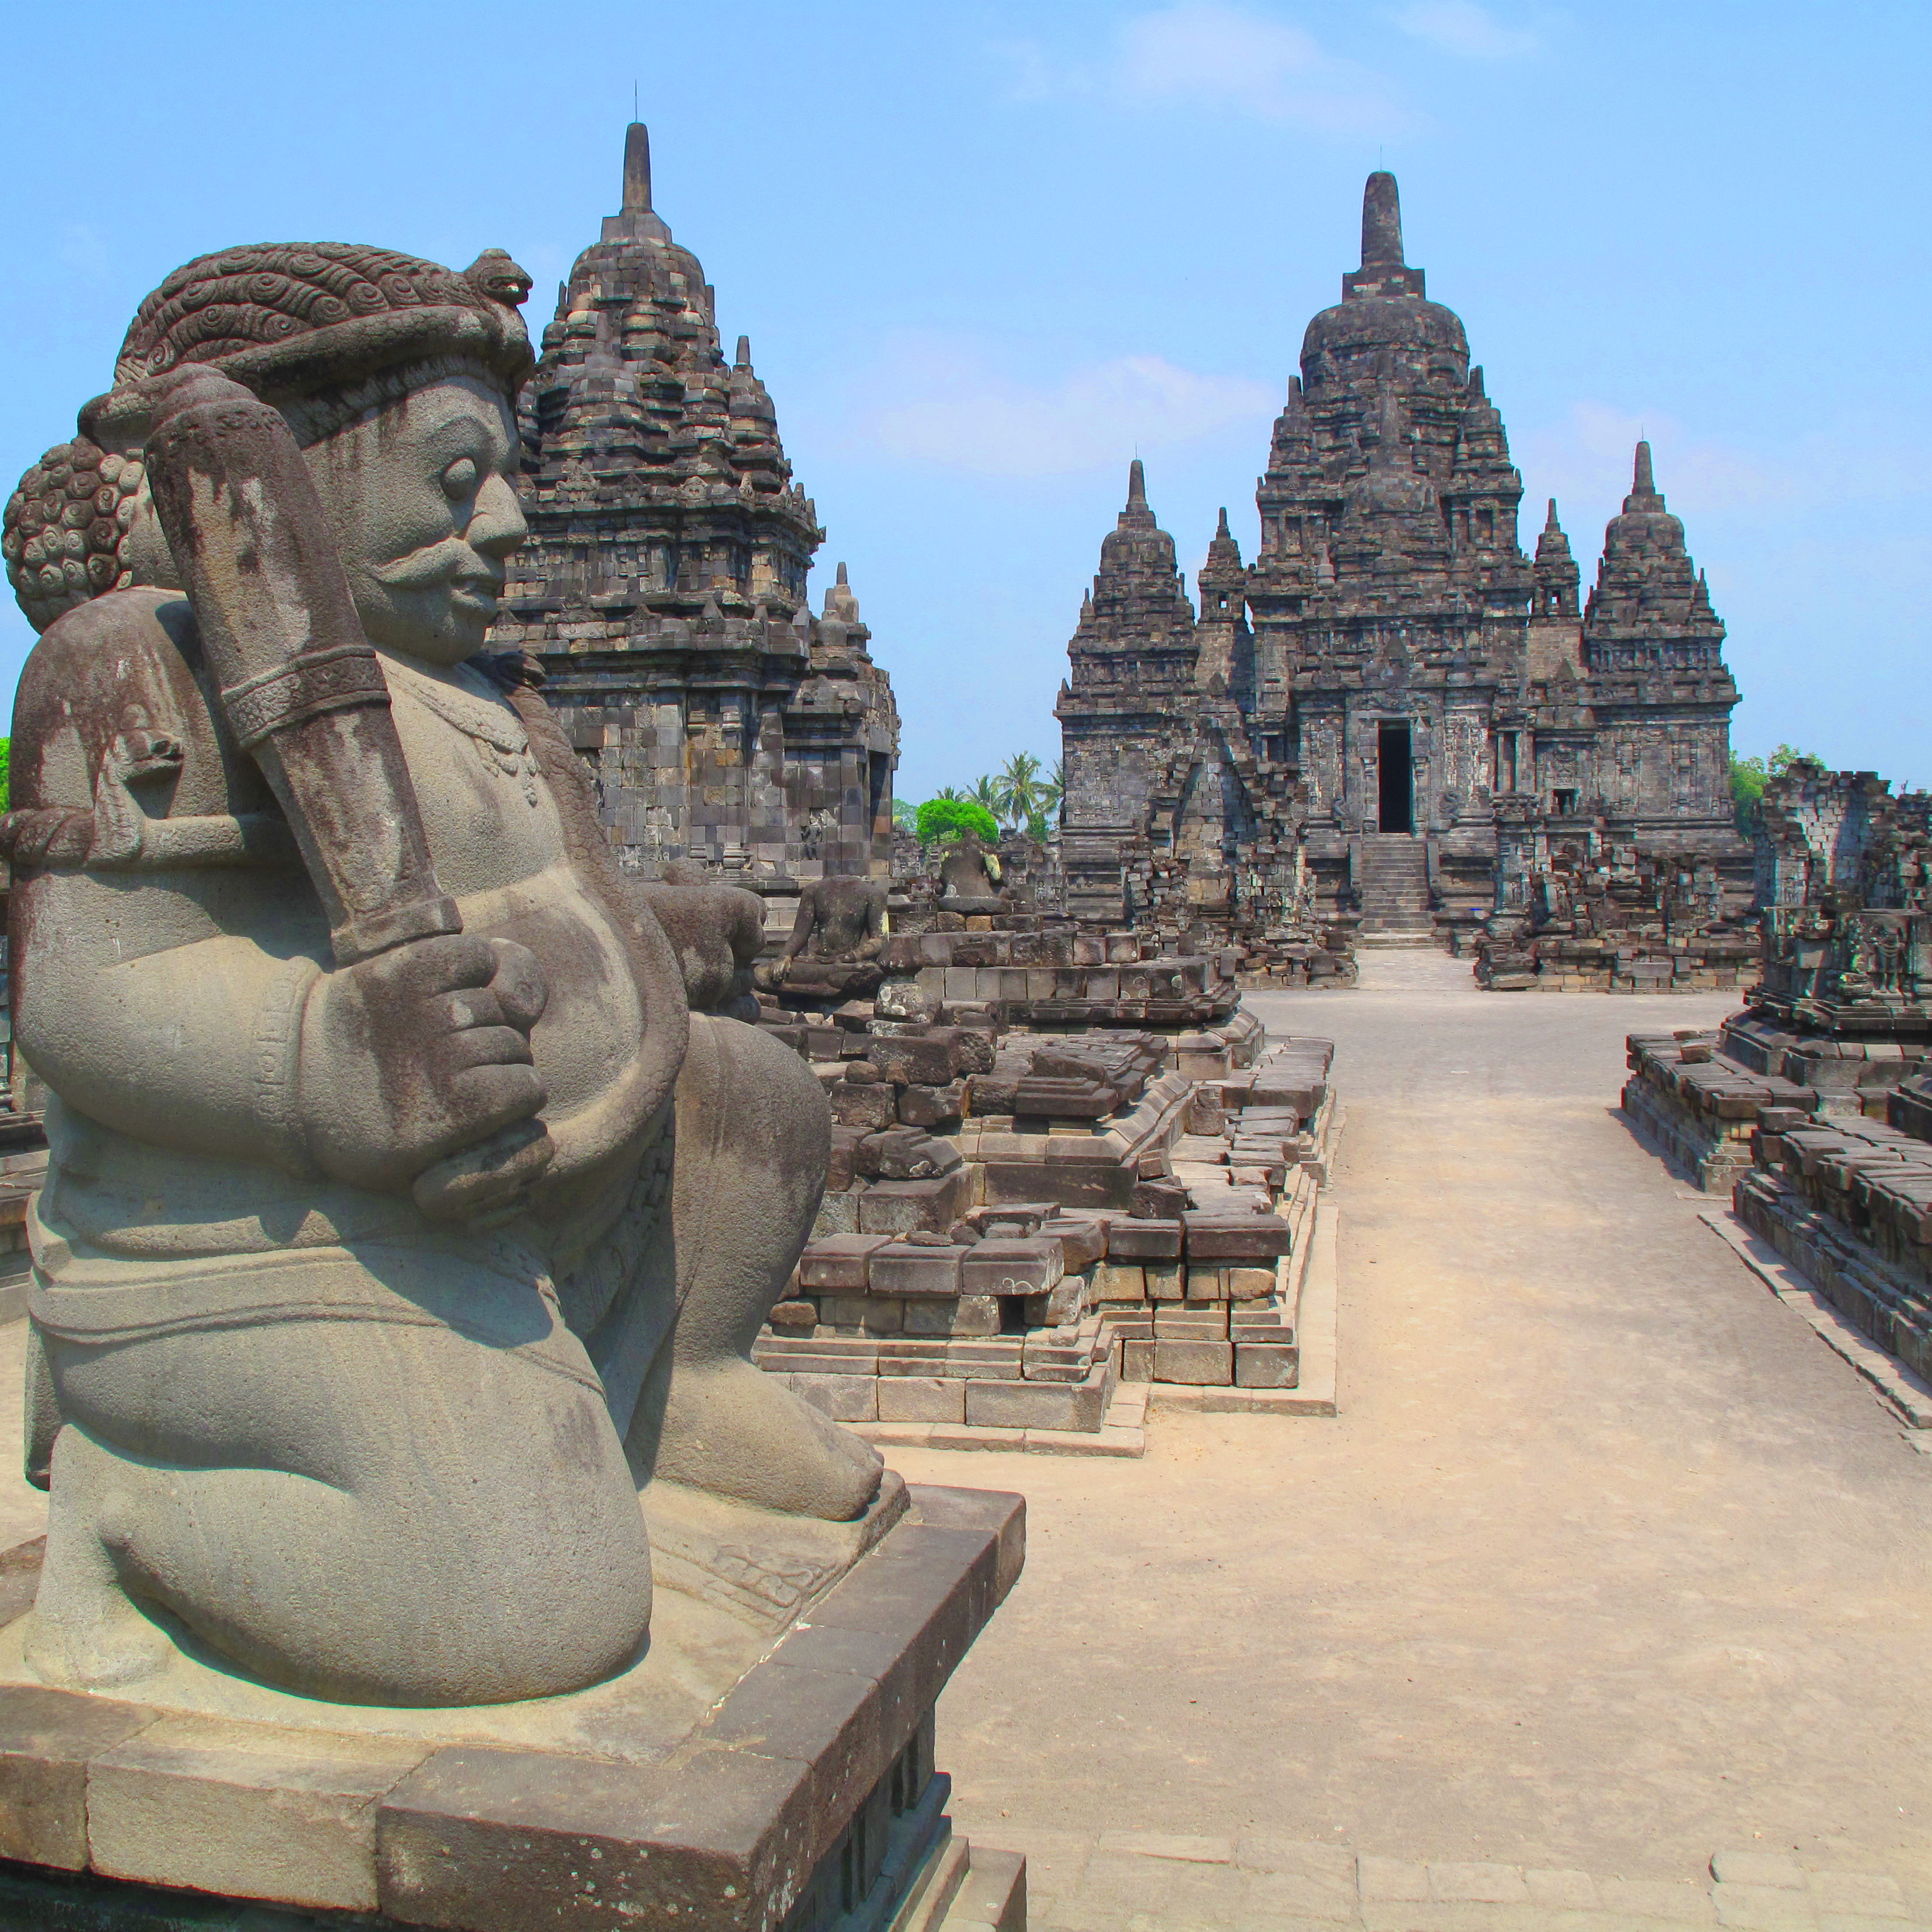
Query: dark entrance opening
(1397,768)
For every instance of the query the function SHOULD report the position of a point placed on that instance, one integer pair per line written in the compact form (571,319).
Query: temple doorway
(1396,766)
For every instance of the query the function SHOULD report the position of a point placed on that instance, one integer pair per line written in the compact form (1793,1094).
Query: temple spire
(1550,525)
(1644,494)
(637,169)
(1381,223)
(1384,270)
(636,220)
(1136,486)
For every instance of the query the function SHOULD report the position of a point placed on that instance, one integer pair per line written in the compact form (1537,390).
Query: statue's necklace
(496,729)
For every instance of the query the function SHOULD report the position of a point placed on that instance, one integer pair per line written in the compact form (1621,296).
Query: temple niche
(662,588)
(1393,713)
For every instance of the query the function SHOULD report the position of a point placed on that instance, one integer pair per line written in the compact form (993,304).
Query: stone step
(1381,942)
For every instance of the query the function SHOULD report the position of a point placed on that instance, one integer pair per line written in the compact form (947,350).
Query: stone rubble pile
(1620,919)
(1060,1162)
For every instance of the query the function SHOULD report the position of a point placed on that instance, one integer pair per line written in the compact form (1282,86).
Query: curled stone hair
(328,331)
(65,527)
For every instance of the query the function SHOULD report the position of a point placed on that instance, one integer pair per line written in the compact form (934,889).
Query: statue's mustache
(452,561)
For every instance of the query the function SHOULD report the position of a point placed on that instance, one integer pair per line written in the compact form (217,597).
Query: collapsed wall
(1812,1108)
(1063,1164)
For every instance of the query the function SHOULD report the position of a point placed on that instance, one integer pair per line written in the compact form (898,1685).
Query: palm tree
(1054,789)
(1019,789)
(949,792)
(986,791)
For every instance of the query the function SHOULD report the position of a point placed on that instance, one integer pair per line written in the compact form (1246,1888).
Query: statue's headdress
(326,331)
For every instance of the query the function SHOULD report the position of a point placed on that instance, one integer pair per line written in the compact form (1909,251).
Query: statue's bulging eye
(459,480)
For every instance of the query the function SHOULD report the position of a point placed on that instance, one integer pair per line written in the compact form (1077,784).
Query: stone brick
(1239,1238)
(970,1314)
(994,1267)
(249,1810)
(1081,1243)
(1209,1363)
(845,1398)
(1035,1405)
(1144,1241)
(1267,1365)
(1120,1281)
(897,1270)
(908,1207)
(838,1264)
(921,1398)
(868,1106)
(47,1739)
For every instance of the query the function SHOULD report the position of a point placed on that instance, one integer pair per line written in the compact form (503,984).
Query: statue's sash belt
(104,1302)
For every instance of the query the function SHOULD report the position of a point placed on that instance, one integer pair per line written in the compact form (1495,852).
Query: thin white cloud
(1588,455)
(952,407)
(1462,27)
(1211,54)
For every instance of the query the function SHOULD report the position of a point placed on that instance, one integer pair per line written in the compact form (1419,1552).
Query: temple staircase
(1394,886)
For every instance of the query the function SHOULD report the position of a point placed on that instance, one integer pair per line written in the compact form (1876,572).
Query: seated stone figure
(371,1280)
(833,952)
(969,877)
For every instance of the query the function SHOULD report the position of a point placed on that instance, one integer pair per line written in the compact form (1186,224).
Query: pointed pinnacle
(1221,529)
(1644,484)
(841,574)
(1549,522)
(1381,223)
(1136,486)
(1476,389)
(744,356)
(637,169)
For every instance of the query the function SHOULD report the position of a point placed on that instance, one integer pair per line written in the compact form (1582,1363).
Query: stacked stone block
(1019,1217)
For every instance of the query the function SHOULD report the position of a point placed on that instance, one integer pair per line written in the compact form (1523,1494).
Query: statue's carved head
(400,379)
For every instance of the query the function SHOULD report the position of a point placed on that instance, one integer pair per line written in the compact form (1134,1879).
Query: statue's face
(425,513)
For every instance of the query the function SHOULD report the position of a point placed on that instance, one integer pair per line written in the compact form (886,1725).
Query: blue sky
(986,252)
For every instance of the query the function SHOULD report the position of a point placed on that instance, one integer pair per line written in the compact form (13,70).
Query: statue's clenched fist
(416,1075)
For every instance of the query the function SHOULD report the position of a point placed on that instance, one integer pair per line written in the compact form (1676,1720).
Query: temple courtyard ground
(1607,1568)
(1608,1573)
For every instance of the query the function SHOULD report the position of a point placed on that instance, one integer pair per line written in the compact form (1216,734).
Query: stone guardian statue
(407,1212)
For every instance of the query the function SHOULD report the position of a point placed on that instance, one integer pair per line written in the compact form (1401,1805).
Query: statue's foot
(732,1430)
(85,1633)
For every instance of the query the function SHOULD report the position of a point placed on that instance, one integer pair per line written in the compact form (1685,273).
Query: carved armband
(342,678)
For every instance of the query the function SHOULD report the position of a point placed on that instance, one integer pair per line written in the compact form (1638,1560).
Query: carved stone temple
(1394,709)
(662,587)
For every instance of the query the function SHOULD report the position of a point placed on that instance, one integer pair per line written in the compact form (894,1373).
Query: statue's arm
(716,932)
(194,1046)
(877,929)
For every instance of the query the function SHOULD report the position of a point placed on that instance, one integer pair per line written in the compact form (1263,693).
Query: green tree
(985,794)
(1018,789)
(950,793)
(942,820)
(1749,777)
(905,815)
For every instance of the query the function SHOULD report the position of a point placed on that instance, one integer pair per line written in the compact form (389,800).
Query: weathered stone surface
(538,1038)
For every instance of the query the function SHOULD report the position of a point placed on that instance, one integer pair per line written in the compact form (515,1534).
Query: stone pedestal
(803,1799)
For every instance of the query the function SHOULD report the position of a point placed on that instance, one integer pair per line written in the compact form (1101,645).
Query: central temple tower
(1435,706)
